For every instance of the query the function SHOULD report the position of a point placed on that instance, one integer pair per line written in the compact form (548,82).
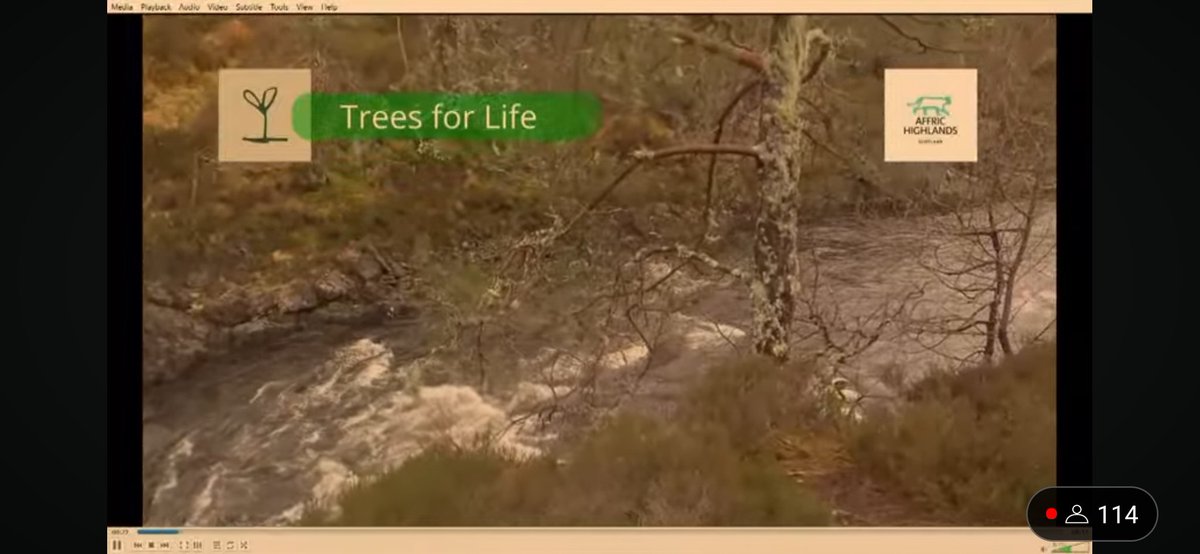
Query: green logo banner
(532,116)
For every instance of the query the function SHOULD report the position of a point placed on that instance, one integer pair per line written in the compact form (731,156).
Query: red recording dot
(1051,513)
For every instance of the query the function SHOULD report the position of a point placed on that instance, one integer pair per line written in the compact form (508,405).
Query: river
(252,439)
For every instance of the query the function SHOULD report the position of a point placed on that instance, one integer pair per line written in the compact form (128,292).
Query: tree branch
(858,165)
(709,222)
(822,53)
(739,149)
(1048,326)
(403,48)
(925,47)
(741,56)
(989,232)
(686,253)
(642,156)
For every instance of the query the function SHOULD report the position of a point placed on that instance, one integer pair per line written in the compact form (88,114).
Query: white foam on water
(529,396)
(288,516)
(335,477)
(203,502)
(183,449)
(624,357)
(700,334)
(398,421)
(263,389)
(372,372)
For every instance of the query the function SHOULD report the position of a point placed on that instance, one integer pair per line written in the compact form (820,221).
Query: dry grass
(977,444)
(750,448)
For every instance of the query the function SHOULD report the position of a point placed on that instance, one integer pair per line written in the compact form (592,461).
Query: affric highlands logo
(931,113)
(931,105)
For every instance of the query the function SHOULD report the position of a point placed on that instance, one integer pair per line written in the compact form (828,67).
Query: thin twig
(732,345)
(652,155)
(925,47)
(1038,336)
(688,253)
(403,48)
(822,54)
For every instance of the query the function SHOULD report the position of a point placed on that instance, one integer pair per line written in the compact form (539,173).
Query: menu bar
(608,6)
(226,7)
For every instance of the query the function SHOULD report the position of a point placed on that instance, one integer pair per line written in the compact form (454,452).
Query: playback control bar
(580,540)
(134,541)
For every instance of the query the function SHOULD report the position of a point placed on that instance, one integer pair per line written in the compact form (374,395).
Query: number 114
(1130,515)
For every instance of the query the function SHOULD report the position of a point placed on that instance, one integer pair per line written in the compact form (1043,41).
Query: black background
(1141,291)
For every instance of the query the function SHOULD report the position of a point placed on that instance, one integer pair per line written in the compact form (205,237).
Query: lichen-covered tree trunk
(783,148)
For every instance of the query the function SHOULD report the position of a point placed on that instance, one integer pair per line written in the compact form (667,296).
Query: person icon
(1076,517)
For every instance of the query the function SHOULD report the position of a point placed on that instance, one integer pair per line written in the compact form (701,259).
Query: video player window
(598,270)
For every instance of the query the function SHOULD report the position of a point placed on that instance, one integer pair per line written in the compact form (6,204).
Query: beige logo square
(931,115)
(254,115)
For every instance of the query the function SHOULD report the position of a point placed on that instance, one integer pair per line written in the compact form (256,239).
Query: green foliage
(978,443)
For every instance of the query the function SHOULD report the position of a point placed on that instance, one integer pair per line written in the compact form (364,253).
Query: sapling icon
(262,105)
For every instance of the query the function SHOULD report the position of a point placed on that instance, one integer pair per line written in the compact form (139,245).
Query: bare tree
(791,128)
(795,54)
(991,239)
